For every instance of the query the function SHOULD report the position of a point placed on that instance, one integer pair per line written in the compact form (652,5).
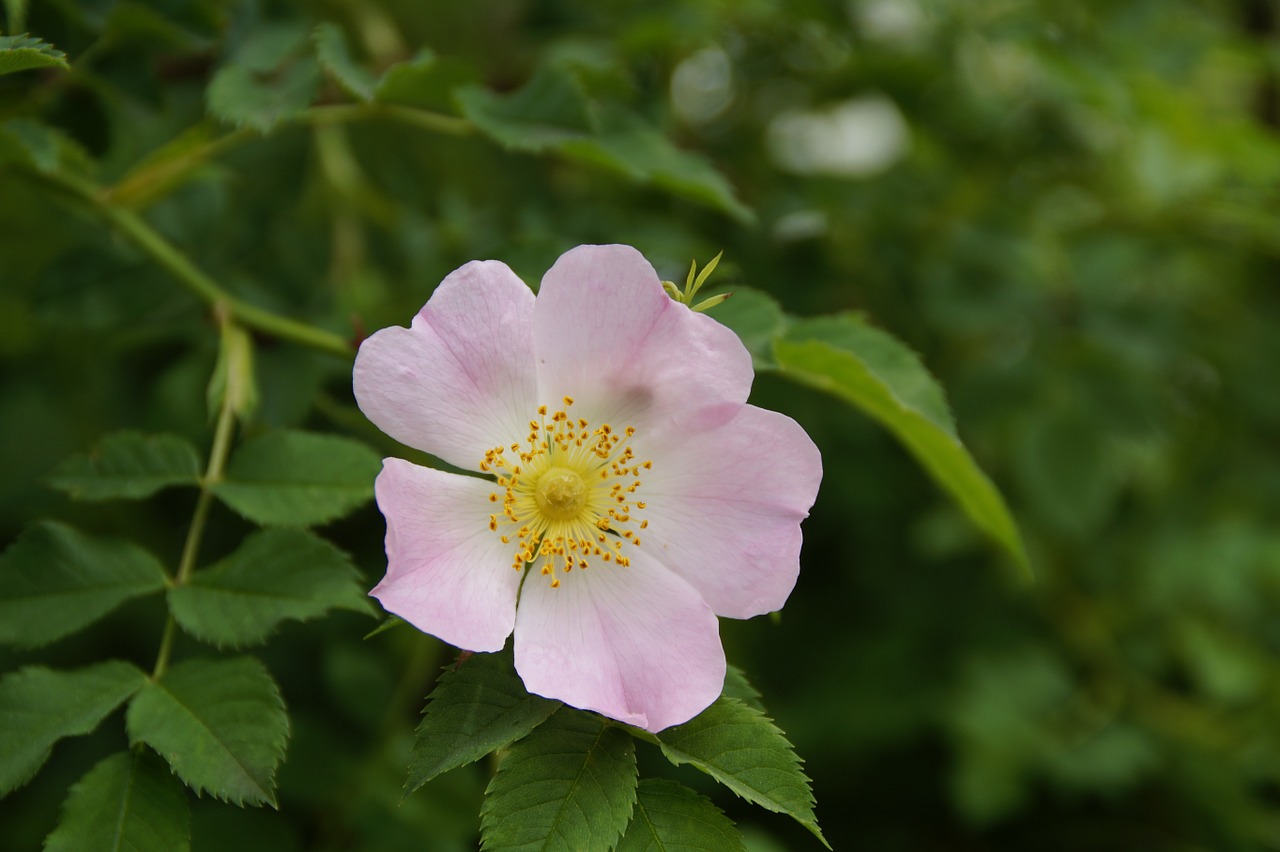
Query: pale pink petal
(607,335)
(637,644)
(460,380)
(448,574)
(724,507)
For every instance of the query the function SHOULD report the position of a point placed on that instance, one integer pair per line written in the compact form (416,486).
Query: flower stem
(180,267)
(195,533)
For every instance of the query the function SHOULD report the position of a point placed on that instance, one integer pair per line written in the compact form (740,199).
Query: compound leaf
(55,580)
(293,478)
(478,706)
(39,706)
(221,725)
(130,465)
(568,786)
(127,802)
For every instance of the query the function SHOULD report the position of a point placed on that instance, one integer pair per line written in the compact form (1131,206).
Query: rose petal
(448,574)
(607,335)
(724,507)
(460,380)
(637,644)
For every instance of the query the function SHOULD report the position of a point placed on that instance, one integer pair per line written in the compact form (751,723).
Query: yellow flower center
(560,493)
(567,494)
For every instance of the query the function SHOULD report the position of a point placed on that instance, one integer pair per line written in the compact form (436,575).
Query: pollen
(566,495)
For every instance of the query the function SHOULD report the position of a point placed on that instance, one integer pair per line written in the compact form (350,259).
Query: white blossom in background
(859,137)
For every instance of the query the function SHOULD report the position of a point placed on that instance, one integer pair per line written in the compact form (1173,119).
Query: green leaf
(478,706)
(39,706)
(291,478)
(629,146)
(757,320)
(126,802)
(128,465)
(22,52)
(426,81)
(669,817)
(221,724)
(335,56)
(40,147)
(875,373)
(546,112)
(266,81)
(569,786)
(273,576)
(55,581)
(742,749)
(737,686)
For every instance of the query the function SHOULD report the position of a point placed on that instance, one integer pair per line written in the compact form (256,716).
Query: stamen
(569,498)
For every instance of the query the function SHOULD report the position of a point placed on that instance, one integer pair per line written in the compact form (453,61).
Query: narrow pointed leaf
(477,707)
(877,374)
(22,53)
(669,817)
(40,706)
(741,748)
(127,803)
(129,465)
(55,580)
(335,57)
(568,786)
(275,575)
(706,272)
(221,724)
(292,478)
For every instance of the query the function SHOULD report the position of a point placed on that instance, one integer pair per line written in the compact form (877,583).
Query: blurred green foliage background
(1070,210)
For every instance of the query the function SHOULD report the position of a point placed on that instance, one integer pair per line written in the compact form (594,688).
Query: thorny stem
(191,548)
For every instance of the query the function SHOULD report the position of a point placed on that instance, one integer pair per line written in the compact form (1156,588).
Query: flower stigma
(567,494)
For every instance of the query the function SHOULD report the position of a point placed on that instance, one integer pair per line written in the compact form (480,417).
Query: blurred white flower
(857,138)
(702,86)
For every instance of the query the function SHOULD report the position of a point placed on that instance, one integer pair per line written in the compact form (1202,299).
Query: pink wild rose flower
(627,494)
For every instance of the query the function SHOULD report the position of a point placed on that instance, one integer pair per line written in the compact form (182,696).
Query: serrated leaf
(757,320)
(629,146)
(220,724)
(40,706)
(129,465)
(742,749)
(267,80)
(55,581)
(291,478)
(546,112)
(875,373)
(275,575)
(670,817)
(737,686)
(570,785)
(335,56)
(478,706)
(414,81)
(22,53)
(129,801)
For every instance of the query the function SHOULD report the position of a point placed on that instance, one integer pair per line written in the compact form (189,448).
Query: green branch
(180,267)
(195,533)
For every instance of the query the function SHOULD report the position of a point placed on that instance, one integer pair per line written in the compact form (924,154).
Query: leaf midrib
(244,769)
